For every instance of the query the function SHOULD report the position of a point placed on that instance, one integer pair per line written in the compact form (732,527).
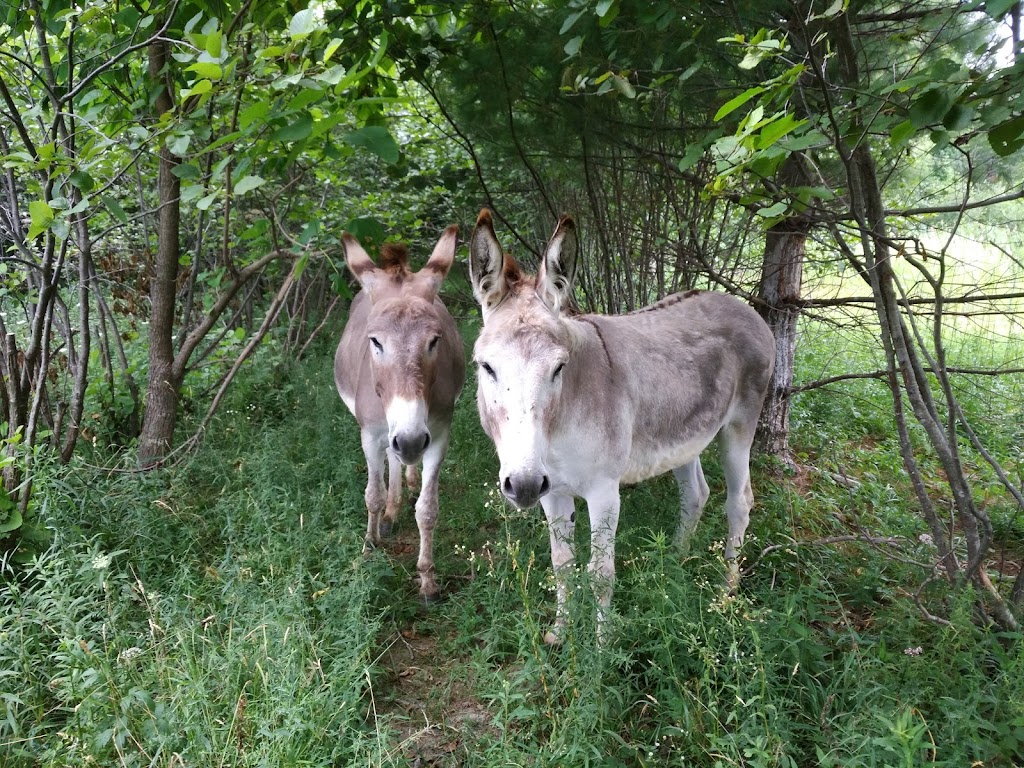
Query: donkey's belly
(650,460)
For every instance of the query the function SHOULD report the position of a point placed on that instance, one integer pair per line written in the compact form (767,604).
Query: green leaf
(331,48)
(114,208)
(752,58)
(252,113)
(996,9)
(958,118)
(693,154)
(1008,137)
(82,180)
(570,20)
(366,228)
(738,101)
(691,70)
(295,131)
(258,228)
(812,138)
(303,24)
(13,521)
(41,215)
(214,43)
(382,46)
(80,206)
(623,86)
(773,210)
(377,139)
(607,11)
(304,98)
(206,202)
(899,135)
(572,47)
(309,232)
(300,265)
(332,76)
(200,87)
(207,69)
(248,183)
(190,192)
(179,144)
(930,107)
(188,171)
(776,129)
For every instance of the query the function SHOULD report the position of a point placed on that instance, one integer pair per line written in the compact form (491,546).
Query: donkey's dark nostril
(544,485)
(507,487)
(394,444)
(426,441)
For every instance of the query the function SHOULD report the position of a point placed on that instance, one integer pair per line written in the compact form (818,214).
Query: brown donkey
(399,368)
(578,404)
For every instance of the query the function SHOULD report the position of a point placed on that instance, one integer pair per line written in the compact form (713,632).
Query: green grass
(219,612)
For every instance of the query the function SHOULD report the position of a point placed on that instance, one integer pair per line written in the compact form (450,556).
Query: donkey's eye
(558,371)
(376,344)
(433,344)
(488,370)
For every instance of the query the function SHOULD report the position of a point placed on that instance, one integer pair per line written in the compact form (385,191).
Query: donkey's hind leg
(693,493)
(735,442)
(387,522)
(412,477)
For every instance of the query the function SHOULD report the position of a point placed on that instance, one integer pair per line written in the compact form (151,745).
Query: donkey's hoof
(431,598)
(732,579)
(369,547)
(384,528)
(552,638)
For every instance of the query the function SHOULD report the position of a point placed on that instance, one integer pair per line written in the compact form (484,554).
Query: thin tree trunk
(779,293)
(163,387)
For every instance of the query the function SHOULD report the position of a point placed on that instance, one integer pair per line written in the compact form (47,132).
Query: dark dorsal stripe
(668,301)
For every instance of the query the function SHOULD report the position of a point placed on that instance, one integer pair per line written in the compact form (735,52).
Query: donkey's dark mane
(394,258)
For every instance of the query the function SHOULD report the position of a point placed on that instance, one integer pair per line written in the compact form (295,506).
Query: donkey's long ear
(487,267)
(429,279)
(360,263)
(558,269)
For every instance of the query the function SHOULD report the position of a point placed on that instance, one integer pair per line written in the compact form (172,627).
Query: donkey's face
(403,336)
(521,354)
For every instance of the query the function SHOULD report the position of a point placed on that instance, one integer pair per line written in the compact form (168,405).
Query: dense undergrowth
(218,612)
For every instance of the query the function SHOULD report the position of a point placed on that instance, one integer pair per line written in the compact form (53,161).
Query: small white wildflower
(128,655)
(100,562)
(913,651)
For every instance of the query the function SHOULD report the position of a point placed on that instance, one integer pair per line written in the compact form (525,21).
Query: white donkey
(578,404)
(399,368)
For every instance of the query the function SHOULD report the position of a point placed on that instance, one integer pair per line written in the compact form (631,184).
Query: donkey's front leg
(426,514)
(603,505)
(561,514)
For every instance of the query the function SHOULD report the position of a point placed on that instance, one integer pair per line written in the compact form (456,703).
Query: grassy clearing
(220,613)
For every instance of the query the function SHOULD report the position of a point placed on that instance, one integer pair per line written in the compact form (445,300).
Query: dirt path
(424,691)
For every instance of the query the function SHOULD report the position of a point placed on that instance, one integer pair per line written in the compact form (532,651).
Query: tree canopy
(177,175)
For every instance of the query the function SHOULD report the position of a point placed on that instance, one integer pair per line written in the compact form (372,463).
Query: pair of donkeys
(576,404)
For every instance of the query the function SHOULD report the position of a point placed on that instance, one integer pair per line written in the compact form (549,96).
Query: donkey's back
(684,369)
